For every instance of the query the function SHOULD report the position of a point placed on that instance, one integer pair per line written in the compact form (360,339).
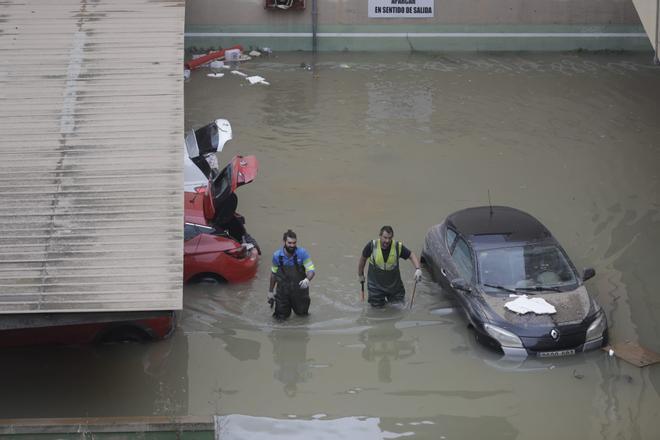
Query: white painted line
(422,34)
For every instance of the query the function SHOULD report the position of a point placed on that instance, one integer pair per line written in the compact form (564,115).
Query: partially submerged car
(216,245)
(489,257)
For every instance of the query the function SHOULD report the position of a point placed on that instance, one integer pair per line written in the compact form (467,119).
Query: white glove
(271,295)
(418,275)
(361,277)
(304,284)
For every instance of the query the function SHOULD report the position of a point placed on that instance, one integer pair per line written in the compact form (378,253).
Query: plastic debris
(611,352)
(267,50)
(255,53)
(523,304)
(217,64)
(186,74)
(215,75)
(236,72)
(232,54)
(257,80)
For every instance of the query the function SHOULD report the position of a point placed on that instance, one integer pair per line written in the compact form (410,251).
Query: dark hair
(289,234)
(387,229)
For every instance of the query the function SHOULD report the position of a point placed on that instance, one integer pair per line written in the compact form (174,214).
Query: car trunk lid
(203,143)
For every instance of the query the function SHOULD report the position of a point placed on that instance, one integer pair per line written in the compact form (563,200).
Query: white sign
(400,8)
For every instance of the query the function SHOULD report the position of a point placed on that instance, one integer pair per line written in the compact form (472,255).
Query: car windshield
(535,267)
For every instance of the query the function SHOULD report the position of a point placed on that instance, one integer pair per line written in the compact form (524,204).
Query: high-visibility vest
(377,255)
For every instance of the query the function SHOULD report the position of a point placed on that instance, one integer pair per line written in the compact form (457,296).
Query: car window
(451,235)
(190,231)
(462,258)
(534,265)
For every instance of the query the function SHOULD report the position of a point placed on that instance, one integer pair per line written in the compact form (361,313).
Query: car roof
(497,226)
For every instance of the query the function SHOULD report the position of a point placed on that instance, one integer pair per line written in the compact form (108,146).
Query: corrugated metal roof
(91,132)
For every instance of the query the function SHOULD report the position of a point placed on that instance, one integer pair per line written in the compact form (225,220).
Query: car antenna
(490,205)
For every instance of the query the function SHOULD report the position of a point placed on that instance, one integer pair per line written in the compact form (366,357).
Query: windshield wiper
(539,289)
(497,286)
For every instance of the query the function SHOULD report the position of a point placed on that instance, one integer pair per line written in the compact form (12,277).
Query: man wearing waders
(384,277)
(292,270)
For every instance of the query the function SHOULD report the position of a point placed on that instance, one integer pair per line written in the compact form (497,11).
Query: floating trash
(217,64)
(236,72)
(257,80)
(215,75)
(255,53)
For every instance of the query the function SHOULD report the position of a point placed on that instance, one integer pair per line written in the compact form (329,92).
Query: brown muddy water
(365,140)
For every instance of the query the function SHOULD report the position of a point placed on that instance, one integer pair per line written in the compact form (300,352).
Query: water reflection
(241,348)
(290,357)
(383,341)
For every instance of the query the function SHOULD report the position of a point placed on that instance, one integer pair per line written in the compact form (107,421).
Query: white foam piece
(257,79)
(239,73)
(523,304)
(215,75)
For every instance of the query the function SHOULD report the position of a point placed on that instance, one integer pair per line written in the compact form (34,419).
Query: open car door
(220,201)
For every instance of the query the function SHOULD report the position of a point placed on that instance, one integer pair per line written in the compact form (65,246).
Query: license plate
(556,353)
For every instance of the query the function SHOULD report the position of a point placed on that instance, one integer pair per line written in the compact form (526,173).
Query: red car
(216,245)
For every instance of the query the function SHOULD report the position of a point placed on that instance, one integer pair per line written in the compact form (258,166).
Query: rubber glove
(304,284)
(418,275)
(361,277)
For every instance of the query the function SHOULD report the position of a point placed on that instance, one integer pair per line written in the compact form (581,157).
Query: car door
(462,259)
(443,266)
(190,243)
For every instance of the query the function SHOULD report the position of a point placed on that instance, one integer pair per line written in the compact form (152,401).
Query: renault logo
(554,333)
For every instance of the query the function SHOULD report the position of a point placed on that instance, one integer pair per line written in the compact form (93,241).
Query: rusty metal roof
(91,132)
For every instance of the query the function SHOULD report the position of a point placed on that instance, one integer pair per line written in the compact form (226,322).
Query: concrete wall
(457,25)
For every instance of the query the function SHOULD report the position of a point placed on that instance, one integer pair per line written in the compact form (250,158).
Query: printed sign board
(401,8)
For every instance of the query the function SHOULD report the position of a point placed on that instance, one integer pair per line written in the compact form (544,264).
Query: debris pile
(226,59)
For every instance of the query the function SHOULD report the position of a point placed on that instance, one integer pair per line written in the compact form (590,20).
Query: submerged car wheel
(208,278)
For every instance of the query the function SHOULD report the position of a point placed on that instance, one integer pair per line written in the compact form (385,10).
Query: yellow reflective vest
(377,256)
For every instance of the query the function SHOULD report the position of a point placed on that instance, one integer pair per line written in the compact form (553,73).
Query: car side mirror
(460,284)
(588,274)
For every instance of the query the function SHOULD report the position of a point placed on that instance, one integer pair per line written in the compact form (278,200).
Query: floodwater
(363,140)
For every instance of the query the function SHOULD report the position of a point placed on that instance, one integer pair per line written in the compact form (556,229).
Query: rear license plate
(556,353)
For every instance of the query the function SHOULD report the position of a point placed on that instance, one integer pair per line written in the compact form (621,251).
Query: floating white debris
(217,64)
(523,304)
(186,74)
(215,75)
(267,50)
(236,72)
(255,53)
(232,54)
(344,66)
(257,80)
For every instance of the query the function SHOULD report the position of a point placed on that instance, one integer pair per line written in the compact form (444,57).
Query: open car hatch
(201,145)
(219,199)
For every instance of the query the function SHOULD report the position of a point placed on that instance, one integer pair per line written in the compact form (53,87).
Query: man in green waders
(384,277)
(291,271)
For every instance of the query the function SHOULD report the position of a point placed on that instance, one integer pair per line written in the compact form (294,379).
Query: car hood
(572,308)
